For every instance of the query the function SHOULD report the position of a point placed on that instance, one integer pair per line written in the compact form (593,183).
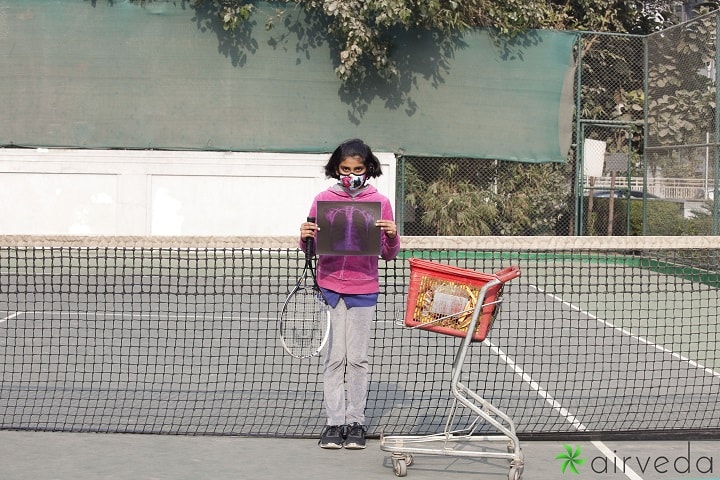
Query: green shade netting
(94,74)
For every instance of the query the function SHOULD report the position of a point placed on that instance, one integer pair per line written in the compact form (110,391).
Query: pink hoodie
(354,274)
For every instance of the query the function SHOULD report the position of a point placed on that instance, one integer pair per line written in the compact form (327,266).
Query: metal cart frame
(462,442)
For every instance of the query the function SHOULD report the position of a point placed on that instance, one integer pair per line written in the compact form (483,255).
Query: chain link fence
(681,151)
(644,160)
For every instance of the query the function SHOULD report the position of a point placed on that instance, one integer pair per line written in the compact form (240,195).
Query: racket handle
(309,243)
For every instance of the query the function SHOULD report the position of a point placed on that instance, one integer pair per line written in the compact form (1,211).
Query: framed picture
(348,228)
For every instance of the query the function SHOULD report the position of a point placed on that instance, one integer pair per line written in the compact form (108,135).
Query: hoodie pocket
(348,268)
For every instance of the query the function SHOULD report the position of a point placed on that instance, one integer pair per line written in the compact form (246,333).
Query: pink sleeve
(390,246)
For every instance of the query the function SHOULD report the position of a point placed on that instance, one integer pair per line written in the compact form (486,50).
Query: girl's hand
(307,230)
(387,226)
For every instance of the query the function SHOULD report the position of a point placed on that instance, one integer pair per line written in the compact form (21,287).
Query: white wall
(139,192)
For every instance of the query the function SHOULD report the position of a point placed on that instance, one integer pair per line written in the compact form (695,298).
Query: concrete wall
(139,192)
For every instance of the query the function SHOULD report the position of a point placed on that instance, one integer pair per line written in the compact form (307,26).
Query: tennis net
(600,336)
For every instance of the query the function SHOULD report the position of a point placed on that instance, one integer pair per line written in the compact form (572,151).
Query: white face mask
(352,181)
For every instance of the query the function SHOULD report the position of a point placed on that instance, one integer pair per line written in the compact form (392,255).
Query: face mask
(352,181)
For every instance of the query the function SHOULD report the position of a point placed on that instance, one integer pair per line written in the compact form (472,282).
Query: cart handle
(508,273)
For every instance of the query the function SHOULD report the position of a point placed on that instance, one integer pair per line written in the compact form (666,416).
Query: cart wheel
(409,459)
(400,467)
(515,473)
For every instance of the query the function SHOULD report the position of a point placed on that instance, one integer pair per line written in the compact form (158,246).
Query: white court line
(610,455)
(165,315)
(564,412)
(10,317)
(682,358)
(557,406)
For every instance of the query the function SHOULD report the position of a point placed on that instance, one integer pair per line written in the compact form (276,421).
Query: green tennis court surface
(603,337)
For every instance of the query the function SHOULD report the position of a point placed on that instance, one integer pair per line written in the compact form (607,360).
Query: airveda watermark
(677,463)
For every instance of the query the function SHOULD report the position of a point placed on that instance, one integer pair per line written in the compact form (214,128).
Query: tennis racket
(305,317)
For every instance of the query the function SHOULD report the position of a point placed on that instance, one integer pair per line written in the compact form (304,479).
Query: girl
(351,286)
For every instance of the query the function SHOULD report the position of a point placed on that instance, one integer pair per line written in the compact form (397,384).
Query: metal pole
(645,135)
(628,178)
(401,200)
(716,200)
(707,164)
(579,144)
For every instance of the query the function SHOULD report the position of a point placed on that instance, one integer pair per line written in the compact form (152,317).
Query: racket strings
(305,322)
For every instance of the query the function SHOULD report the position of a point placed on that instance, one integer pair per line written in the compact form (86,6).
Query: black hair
(353,148)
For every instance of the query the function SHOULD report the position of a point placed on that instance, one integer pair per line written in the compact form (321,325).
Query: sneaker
(355,439)
(332,437)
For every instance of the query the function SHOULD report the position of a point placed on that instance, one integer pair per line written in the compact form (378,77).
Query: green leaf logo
(571,458)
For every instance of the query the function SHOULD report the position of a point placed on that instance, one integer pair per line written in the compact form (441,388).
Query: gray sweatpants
(347,346)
